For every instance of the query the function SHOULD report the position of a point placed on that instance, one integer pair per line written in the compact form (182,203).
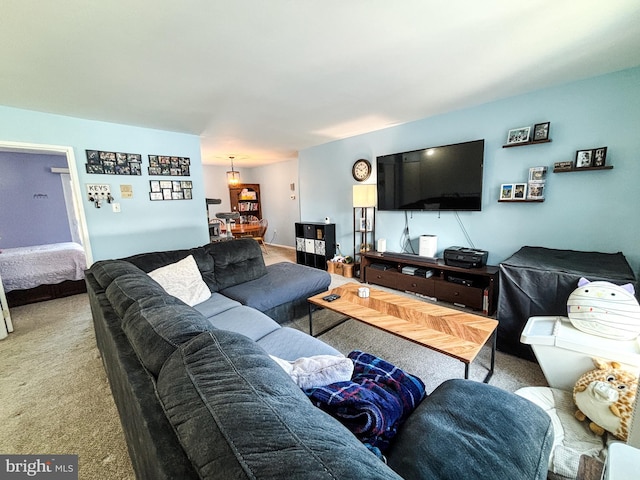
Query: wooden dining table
(243,229)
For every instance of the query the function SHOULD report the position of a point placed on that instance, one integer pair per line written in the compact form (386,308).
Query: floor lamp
(364,219)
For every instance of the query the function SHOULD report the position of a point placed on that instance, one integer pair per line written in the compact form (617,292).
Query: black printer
(465,257)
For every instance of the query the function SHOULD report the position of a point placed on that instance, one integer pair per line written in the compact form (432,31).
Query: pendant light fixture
(233,177)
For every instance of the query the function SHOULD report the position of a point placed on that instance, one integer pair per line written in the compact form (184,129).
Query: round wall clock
(361,170)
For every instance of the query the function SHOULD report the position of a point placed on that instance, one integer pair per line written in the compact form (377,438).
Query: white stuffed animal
(605,309)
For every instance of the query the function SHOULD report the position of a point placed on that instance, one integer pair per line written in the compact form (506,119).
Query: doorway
(78,214)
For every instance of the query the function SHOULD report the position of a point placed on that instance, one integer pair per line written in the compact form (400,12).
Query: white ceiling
(262,79)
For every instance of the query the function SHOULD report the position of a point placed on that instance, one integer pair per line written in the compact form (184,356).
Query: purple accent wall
(32,207)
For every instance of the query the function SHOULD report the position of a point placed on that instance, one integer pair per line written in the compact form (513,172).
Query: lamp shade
(364,195)
(233,177)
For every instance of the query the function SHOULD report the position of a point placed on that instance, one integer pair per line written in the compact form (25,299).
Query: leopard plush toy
(606,396)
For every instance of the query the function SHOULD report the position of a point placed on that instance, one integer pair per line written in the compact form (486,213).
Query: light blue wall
(588,211)
(142,225)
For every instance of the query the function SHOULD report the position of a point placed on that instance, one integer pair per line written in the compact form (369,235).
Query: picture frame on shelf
(599,156)
(535,191)
(506,191)
(541,131)
(563,166)
(584,158)
(519,191)
(518,135)
(365,225)
(537,174)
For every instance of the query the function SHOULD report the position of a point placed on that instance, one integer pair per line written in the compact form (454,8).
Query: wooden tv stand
(476,288)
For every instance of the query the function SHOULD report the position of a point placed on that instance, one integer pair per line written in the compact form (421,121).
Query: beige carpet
(54,395)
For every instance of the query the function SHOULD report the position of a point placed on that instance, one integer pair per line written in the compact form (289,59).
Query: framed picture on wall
(519,191)
(537,174)
(113,163)
(599,157)
(506,191)
(541,131)
(518,135)
(535,191)
(584,158)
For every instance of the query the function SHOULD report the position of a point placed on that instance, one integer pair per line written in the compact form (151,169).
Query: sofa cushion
(236,262)
(105,271)
(236,411)
(284,282)
(247,321)
(466,429)
(182,280)
(289,344)
(156,326)
(127,289)
(215,304)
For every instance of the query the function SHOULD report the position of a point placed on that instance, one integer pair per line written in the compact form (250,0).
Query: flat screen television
(442,178)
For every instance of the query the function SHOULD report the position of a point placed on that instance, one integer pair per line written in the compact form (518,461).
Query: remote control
(331,298)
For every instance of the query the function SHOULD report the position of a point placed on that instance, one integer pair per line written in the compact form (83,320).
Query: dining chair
(262,232)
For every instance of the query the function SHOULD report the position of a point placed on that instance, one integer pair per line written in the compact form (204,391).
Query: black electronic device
(411,257)
(331,297)
(423,272)
(465,257)
(460,281)
(380,266)
(442,178)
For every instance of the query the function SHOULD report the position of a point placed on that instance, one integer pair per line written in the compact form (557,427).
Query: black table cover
(538,281)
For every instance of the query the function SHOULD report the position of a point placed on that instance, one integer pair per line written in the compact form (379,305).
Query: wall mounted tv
(442,178)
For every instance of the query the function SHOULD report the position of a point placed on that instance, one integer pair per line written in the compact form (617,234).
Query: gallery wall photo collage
(118,163)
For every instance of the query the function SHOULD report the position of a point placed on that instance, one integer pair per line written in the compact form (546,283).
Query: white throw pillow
(318,370)
(183,280)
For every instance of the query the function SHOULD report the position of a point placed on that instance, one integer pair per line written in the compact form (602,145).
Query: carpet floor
(55,397)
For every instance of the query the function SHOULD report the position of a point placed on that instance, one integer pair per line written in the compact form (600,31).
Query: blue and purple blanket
(373,405)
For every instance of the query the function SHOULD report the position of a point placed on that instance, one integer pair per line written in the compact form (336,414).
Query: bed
(42,272)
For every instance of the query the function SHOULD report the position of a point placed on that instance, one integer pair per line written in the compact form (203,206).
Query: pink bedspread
(28,267)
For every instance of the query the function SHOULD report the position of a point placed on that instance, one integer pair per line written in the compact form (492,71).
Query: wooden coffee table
(458,334)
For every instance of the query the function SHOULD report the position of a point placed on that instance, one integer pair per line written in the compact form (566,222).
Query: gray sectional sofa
(200,397)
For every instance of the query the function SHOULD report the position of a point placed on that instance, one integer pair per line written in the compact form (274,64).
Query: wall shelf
(527,143)
(582,169)
(524,200)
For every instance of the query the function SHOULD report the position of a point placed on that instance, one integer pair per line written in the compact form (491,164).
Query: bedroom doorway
(75,208)
(71,188)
